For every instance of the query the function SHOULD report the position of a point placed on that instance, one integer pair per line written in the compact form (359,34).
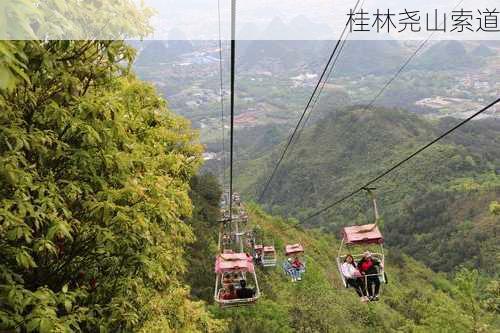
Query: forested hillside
(436,207)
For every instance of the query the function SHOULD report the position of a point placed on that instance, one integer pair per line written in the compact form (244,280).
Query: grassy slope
(415,300)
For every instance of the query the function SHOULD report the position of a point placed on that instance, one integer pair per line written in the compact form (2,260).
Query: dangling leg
(376,282)
(369,286)
(355,284)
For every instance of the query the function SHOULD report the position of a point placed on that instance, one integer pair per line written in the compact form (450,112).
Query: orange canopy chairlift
(356,238)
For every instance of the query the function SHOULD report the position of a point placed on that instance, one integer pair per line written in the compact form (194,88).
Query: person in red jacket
(369,268)
(229,293)
(298,267)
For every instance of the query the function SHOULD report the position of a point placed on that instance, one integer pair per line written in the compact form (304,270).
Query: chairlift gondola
(359,237)
(240,265)
(265,255)
(269,256)
(295,263)
(356,239)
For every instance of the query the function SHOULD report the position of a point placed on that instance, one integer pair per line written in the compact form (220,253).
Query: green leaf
(67,305)
(25,260)
(33,324)
(46,325)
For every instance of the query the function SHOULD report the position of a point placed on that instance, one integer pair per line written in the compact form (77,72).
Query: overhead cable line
(399,164)
(222,100)
(405,64)
(231,164)
(231,134)
(316,100)
(292,136)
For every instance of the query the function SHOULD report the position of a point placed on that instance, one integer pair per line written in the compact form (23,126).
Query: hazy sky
(256,19)
(318,19)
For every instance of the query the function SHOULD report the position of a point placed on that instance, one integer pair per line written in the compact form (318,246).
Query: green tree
(94,179)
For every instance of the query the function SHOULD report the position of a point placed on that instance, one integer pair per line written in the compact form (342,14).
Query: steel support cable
(406,63)
(332,68)
(292,136)
(221,99)
(393,78)
(397,165)
(231,134)
(388,83)
(231,163)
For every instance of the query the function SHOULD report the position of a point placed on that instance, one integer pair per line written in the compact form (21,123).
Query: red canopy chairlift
(267,255)
(360,236)
(239,263)
(293,251)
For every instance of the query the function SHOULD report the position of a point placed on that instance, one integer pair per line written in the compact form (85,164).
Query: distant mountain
(358,57)
(370,57)
(178,43)
(279,30)
(155,51)
(298,28)
(279,54)
(249,31)
(483,51)
(445,55)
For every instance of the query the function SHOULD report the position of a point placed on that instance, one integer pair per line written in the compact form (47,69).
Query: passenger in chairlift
(229,293)
(369,268)
(227,279)
(258,258)
(243,291)
(236,277)
(353,277)
(294,273)
(297,266)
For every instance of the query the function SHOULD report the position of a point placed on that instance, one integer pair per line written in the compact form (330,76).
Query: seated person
(236,278)
(291,270)
(297,264)
(258,258)
(243,291)
(353,277)
(369,267)
(227,279)
(229,293)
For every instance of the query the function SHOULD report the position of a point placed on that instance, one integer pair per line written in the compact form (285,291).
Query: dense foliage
(205,194)
(94,180)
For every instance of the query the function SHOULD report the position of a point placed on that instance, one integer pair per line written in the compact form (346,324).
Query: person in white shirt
(353,277)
